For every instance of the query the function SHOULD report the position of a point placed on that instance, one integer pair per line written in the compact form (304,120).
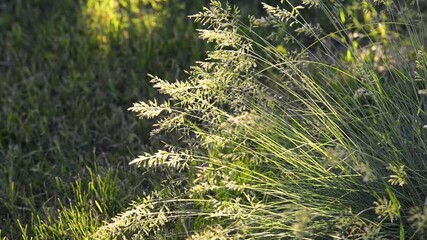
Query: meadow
(68,72)
(275,120)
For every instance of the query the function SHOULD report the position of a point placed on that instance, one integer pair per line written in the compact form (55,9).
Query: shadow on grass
(68,72)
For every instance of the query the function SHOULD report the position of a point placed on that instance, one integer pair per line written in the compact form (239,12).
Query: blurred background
(69,69)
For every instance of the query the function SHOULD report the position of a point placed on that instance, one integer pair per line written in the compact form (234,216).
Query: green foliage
(322,141)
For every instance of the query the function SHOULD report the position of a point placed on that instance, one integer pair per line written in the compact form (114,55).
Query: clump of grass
(317,142)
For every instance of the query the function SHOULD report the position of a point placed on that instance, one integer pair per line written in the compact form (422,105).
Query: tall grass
(325,140)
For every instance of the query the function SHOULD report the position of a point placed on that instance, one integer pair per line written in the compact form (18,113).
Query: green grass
(272,136)
(324,142)
(67,77)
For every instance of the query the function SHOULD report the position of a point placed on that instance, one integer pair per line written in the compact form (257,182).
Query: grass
(273,137)
(67,76)
(323,142)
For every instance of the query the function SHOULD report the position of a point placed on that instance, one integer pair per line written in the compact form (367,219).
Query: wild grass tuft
(313,140)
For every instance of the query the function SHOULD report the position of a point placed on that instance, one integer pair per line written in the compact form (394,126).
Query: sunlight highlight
(118,19)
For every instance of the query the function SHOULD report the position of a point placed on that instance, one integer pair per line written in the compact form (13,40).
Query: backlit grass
(322,141)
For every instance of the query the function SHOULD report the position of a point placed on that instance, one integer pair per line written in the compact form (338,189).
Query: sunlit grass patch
(118,19)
